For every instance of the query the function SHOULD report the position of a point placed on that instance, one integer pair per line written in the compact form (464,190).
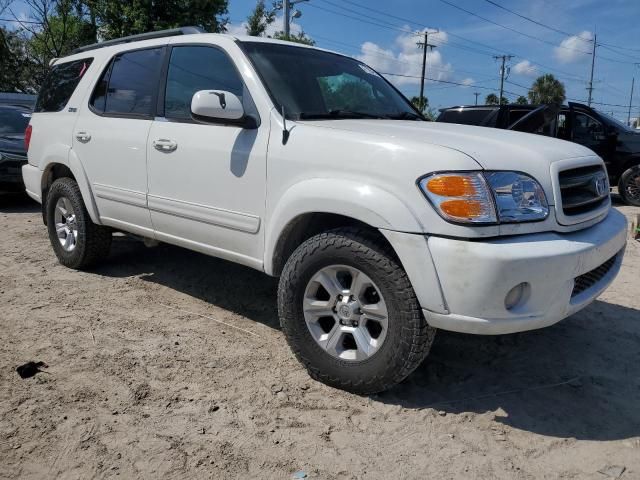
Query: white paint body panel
(231,192)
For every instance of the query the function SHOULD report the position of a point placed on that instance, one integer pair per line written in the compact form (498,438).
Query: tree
(491,99)
(293,37)
(119,18)
(546,89)
(522,100)
(421,103)
(260,19)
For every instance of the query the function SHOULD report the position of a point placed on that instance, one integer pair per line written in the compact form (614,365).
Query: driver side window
(586,127)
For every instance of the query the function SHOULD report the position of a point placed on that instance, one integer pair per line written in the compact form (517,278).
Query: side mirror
(216,105)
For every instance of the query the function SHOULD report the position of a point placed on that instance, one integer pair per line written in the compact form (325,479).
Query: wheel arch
(342,203)
(70,168)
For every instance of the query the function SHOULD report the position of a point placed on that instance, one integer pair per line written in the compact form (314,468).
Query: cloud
(467,82)
(575,48)
(525,68)
(272,29)
(404,58)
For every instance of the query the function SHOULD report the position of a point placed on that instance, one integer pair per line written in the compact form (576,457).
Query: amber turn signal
(462,208)
(452,186)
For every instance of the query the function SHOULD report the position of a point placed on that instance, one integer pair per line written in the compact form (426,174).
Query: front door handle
(164,145)
(83,137)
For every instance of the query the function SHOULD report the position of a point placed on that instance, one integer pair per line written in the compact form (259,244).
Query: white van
(308,165)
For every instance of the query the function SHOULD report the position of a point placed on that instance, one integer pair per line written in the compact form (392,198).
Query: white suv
(310,166)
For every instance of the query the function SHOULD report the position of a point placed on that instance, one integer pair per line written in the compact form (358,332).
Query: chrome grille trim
(577,197)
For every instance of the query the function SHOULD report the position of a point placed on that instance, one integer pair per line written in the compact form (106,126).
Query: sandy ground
(145,382)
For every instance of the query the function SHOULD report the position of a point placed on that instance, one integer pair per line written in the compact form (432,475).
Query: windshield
(13,121)
(615,122)
(312,84)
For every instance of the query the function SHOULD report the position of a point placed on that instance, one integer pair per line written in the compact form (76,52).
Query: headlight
(490,197)
(519,198)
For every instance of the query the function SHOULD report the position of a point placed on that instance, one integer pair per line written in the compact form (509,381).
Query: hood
(13,143)
(491,148)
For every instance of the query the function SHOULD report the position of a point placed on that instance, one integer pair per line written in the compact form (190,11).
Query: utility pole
(425,46)
(593,62)
(633,80)
(286,18)
(504,58)
(476,94)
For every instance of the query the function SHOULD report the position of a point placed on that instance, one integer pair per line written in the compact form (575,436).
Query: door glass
(194,68)
(132,83)
(587,128)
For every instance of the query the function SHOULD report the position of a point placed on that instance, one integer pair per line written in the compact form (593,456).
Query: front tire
(350,314)
(76,240)
(629,186)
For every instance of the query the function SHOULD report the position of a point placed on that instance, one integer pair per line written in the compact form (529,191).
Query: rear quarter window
(60,84)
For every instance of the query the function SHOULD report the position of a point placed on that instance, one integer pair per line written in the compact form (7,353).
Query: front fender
(63,155)
(366,203)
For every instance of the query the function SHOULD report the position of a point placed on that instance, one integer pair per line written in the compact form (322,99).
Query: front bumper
(474,277)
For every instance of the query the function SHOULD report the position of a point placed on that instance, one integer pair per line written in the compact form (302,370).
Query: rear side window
(129,85)
(194,68)
(60,84)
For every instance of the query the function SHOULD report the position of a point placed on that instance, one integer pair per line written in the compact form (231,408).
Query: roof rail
(143,36)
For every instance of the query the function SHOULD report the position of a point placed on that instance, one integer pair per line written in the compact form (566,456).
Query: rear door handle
(83,137)
(165,145)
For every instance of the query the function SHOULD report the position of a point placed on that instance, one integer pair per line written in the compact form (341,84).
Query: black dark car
(617,144)
(13,122)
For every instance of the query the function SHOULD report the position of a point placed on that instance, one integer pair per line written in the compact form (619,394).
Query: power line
(553,29)
(512,29)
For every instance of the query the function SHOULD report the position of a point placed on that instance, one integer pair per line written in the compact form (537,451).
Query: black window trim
(154,99)
(249,121)
(84,59)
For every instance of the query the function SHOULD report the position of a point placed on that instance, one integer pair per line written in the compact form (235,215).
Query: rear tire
(76,240)
(629,186)
(406,339)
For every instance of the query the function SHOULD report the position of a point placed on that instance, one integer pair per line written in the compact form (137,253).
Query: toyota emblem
(601,186)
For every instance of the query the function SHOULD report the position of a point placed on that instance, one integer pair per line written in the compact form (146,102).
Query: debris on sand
(29,369)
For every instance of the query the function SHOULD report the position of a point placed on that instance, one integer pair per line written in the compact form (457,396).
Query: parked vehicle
(381,226)
(615,142)
(13,155)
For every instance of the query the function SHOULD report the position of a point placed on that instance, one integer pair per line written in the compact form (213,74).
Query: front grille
(583,189)
(589,279)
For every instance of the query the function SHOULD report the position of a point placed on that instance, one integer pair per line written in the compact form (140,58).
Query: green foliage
(260,19)
(521,100)
(492,99)
(119,18)
(547,90)
(59,26)
(421,103)
(297,38)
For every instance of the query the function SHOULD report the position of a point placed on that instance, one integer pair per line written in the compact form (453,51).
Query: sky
(556,38)
(383,34)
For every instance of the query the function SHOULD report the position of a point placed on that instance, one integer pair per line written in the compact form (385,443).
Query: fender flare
(72,162)
(369,204)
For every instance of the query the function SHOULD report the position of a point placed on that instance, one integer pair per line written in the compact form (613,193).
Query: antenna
(285,132)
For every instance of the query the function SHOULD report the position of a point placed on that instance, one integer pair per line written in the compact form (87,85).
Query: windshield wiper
(337,114)
(405,116)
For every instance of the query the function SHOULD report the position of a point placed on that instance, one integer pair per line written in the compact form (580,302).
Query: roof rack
(143,36)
